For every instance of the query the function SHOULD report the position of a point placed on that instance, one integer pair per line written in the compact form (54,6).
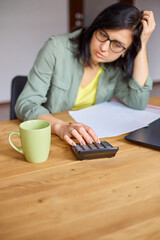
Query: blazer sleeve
(131,93)
(29,105)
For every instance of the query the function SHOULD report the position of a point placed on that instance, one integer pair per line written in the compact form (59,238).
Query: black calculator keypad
(94,150)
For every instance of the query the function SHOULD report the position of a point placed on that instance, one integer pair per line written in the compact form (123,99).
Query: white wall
(153,43)
(24,27)
(26,24)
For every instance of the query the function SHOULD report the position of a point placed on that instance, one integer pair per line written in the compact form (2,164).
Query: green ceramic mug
(35,136)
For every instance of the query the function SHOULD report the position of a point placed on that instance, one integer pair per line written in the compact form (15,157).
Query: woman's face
(101,51)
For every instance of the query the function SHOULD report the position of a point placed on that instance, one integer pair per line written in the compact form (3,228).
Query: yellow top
(87,96)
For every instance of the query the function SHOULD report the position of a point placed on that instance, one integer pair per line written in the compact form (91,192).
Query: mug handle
(18,149)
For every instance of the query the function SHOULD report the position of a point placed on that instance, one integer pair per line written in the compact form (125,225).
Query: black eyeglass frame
(108,39)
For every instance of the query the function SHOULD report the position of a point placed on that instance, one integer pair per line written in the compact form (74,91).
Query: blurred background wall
(26,24)
(24,27)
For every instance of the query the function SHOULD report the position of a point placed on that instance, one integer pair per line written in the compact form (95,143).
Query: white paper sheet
(113,118)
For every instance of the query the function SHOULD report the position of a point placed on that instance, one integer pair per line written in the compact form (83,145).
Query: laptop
(148,136)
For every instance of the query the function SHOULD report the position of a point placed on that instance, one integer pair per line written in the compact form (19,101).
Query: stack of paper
(113,118)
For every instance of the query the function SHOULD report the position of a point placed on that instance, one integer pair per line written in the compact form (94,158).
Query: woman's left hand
(149,24)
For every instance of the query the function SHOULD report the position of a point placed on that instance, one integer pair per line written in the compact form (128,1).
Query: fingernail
(73,144)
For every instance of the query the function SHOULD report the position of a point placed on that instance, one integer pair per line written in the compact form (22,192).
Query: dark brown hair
(117,16)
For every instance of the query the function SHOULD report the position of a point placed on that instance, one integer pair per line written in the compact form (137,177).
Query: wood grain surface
(63,198)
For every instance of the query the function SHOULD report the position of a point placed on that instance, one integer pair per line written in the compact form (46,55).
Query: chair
(17,86)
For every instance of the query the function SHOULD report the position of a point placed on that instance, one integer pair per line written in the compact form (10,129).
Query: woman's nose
(105,46)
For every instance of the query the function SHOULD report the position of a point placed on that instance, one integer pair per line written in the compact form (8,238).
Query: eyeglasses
(114,45)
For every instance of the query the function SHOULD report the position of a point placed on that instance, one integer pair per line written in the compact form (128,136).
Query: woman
(89,66)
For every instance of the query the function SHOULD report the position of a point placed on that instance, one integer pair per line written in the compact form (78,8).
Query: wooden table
(104,199)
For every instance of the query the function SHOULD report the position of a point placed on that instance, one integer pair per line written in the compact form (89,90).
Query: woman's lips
(99,54)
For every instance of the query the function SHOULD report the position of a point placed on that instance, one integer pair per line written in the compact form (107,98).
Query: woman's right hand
(79,131)
(68,131)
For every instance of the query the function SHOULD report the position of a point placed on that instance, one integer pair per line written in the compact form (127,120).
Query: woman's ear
(122,55)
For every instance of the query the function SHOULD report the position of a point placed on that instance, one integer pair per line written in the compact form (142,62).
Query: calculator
(94,150)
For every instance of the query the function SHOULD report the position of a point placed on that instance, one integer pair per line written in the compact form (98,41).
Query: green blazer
(54,80)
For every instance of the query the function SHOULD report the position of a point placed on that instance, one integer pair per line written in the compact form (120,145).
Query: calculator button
(85,147)
(91,146)
(106,144)
(78,147)
(98,145)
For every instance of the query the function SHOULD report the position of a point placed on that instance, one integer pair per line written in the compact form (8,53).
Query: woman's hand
(141,69)
(79,131)
(67,131)
(149,24)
